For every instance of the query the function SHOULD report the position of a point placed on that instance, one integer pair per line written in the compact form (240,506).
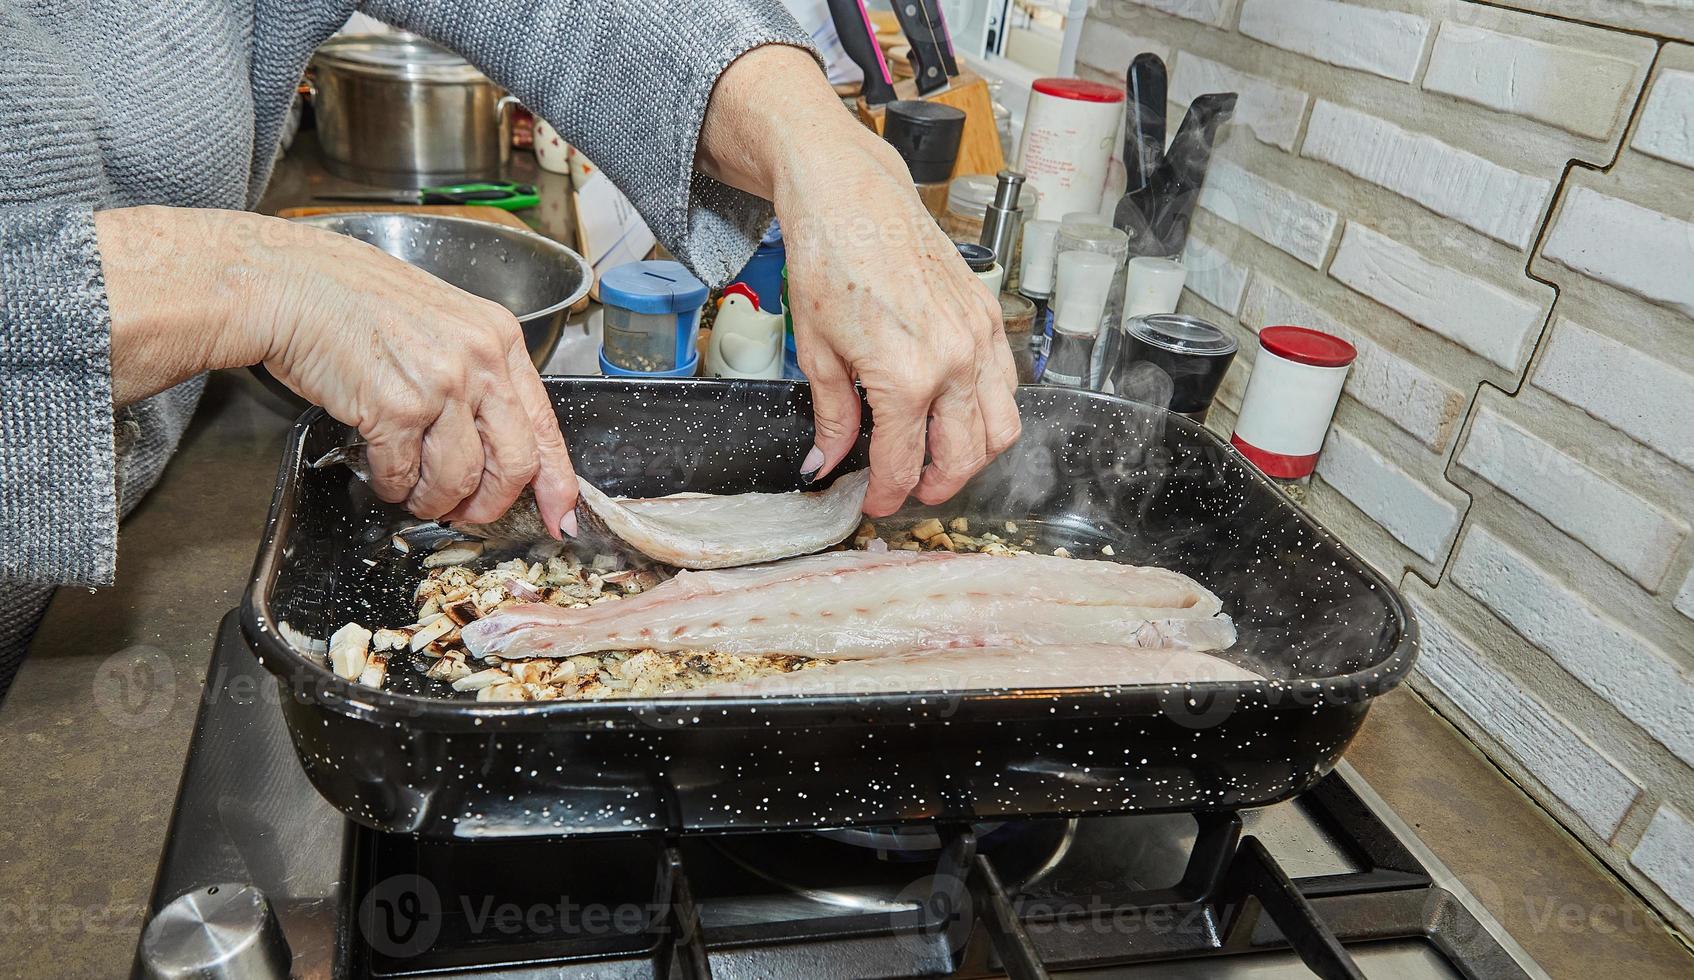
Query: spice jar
(1017,314)
(652,320)
(1291,398)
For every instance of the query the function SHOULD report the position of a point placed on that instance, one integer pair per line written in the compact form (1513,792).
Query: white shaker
(1290,400)
(1153,286)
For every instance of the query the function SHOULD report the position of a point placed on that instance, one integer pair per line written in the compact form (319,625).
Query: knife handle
(858,39)
(929,54)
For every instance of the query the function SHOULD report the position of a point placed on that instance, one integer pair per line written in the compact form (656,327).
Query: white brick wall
(1441,133)
(1666,855)
(1497,201)
(1271,112)
(1580,775)
(1414,514)
(1109,50)
(1577,90)
(1620,527)
(1630,389)
(1382,42)
(1211,12)
(1274,214)
(1468,311)
(1214,276)
(1396,389)
(1627,246)
(1667,126)
(1628,672)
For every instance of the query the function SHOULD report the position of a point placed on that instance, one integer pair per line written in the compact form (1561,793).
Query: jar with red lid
(1066,150)
(1291,399)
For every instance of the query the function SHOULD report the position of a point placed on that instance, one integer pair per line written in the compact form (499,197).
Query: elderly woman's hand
(880,294)
(436,380)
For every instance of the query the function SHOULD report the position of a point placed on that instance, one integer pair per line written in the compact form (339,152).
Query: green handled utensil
(495,194)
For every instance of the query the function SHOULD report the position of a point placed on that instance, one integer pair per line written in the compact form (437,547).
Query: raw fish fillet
(688,530)
(991,668)
(704,531)
(853,604)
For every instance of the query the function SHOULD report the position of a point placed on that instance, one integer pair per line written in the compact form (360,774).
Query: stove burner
(874,869)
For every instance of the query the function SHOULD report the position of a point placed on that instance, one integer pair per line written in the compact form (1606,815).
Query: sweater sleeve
(627,82)
(58,497)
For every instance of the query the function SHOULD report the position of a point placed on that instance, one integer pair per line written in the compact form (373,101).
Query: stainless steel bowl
(535,277)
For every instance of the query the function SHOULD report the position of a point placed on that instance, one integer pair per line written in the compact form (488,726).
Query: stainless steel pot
(396,110)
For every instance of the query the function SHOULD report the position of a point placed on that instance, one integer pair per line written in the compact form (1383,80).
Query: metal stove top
(1333,884)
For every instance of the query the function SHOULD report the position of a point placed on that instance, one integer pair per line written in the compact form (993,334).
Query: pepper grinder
(1001,221)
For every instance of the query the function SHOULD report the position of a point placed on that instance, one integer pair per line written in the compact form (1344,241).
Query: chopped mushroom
(959,524)
(482,679)
(456,553)
(375,672)
(926,529)
(348,650)
(462,610)
(429,633)
(391,639)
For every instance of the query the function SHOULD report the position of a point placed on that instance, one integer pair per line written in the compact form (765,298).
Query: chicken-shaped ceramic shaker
(746,341)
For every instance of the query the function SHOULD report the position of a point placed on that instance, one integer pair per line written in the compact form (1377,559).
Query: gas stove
(261,877)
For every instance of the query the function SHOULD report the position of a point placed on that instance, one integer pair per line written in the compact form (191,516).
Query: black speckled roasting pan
(1090,470)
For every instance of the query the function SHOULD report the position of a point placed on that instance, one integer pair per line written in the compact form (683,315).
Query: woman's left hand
(881,295)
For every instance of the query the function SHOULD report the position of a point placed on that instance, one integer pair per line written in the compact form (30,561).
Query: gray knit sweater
(125,102)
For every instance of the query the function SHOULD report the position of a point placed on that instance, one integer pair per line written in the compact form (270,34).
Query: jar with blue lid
(652,320)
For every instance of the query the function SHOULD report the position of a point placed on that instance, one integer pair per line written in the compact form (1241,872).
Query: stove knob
(220,932)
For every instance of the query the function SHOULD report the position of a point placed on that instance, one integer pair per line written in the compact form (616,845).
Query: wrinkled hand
(880,294)
(437,381)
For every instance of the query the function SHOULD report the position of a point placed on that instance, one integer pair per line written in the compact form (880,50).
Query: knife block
(979,148)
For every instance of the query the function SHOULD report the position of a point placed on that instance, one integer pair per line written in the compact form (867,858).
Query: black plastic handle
(853,24)
(921,22)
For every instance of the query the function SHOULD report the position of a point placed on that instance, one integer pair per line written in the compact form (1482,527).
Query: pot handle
(503,122)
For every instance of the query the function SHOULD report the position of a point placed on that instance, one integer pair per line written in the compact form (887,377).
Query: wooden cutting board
(493,215)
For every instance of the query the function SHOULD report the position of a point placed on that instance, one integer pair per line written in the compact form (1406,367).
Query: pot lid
(397,55)
(1307,346)
(1180,334)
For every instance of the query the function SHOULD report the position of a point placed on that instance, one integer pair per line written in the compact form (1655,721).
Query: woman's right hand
(438,382)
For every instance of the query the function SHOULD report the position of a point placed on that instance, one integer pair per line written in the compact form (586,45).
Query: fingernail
(568,525)
(814,462)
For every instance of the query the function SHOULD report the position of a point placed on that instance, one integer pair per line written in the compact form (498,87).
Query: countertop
(94,733)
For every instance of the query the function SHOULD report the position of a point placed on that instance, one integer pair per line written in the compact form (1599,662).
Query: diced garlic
(348,650)
(959,524)
(1107,551)
(501,692)
(1061,552)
